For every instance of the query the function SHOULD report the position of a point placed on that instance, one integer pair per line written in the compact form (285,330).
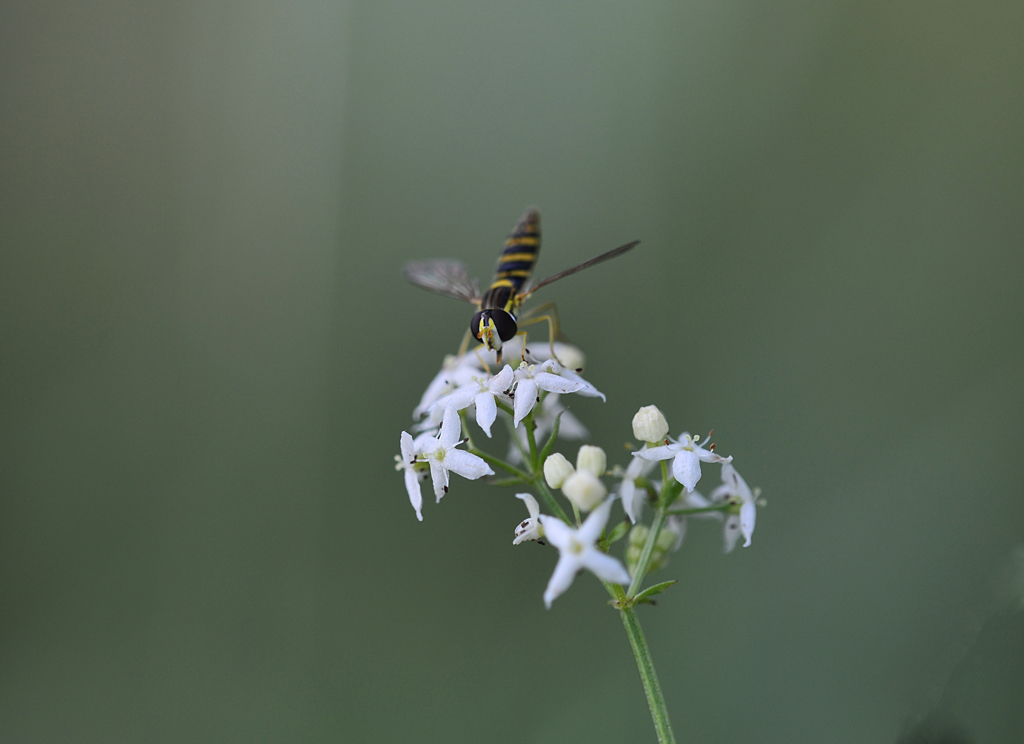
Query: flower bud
(584,489)
(666,539)
(638,535)
(649,425)
(592,459)
(556,470)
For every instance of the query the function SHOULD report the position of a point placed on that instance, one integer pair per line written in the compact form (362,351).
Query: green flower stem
(648,677)
(701,509)
(655,529)
(645,554)
(514,438)
(491,460)
(644,663)
(506,482)
(532,441)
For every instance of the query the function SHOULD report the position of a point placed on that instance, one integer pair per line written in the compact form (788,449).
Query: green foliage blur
(208,354)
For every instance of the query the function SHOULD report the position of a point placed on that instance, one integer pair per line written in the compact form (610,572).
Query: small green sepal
(617,533)
(650,591)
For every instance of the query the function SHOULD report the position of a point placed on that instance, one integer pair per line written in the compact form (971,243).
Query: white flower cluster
(465,382)
(533,390)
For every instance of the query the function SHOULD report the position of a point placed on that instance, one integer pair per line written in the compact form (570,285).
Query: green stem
(491,460)
(645,554)
(648,677)
(700,510)
(506,482)
(513,436)
(532,441)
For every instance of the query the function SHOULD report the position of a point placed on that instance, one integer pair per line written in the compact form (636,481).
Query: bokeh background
(208,353)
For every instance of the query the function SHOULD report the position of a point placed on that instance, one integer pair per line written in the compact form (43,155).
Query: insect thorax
(500,297)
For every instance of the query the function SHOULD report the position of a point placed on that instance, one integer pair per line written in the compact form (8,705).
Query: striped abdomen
(515,264)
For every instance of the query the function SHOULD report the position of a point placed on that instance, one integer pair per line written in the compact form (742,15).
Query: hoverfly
(495,322)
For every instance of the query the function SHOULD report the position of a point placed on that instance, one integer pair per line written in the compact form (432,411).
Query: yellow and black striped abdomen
(515,264)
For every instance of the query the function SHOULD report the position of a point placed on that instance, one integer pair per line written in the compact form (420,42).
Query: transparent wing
(444,276)
(585,265)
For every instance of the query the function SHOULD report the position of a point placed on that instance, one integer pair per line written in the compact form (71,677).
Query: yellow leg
(464,347)
(550,314)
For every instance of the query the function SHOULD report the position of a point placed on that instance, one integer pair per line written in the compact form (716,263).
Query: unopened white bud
(592,459)
(584,489)
(649,425)
(556,470)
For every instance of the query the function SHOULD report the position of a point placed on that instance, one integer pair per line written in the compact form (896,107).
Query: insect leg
(546,312)
(464,347)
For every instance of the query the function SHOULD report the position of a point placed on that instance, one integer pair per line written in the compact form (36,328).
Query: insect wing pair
(495,321)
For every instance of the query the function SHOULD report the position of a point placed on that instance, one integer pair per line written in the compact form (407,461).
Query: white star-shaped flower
(411,449)
(443,458)
(632,500)
(735,490)
(481,392)
(686,456)
(455,371)
(529,529)
(532,378)
(578,550)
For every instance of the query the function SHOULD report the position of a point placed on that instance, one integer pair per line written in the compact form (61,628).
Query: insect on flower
(495,321)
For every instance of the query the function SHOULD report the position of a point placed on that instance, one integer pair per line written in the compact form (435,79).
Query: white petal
(423,442)
(531,503)
(467,465)
(748,515)
(502,381)
(486,411)
(457,399)
(451,429)
(439,386)
(739,485)
(592,527)
(604,566)
(526,398)
(555,384)
(432,421)
(664,452)
(562,577)
(686,469)
(585,387)
(412,485)
(628,492)
(408,448)
(527,531)
(559,533)
(731,533)
(439,475)
(709,456)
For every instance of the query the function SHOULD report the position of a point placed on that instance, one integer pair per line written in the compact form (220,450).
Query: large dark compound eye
(505,325)
(474,325)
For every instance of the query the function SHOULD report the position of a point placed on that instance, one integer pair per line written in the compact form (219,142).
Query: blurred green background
(208,353)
